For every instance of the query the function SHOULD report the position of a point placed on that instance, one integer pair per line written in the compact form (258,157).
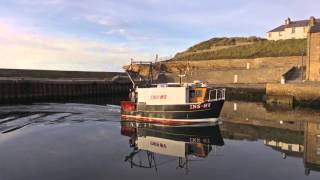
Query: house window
(280,33)
(318,126)
(293,30)
(318,138)
(270,35)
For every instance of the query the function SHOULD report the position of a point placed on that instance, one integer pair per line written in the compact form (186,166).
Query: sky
(103,35)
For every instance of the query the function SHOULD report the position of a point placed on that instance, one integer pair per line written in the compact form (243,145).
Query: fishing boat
(174,103)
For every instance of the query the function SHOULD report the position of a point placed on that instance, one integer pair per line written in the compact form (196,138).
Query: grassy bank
(243,48)
(217,43)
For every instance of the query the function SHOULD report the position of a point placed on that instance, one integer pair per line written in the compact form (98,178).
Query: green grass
(259,48)
(223,41)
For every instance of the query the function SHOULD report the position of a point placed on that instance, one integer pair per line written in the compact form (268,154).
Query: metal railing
(217,94)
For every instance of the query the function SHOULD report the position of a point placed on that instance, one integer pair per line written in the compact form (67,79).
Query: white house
(292,29)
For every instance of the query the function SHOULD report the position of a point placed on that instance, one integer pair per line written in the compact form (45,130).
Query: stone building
(292,29)
(313,52)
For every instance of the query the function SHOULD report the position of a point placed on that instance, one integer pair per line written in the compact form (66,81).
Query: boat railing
(217,94)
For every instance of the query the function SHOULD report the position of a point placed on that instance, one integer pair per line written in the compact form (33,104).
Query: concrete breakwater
(47,74)
(33,86)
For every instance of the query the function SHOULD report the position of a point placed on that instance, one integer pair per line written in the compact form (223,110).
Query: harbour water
(86,140)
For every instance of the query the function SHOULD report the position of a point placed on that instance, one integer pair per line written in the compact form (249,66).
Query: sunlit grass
(254,48)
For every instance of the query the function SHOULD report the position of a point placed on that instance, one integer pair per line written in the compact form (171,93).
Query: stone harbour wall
(252,76)
(304,93)
(236,64)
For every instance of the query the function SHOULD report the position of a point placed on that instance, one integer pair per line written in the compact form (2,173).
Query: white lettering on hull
(199,106)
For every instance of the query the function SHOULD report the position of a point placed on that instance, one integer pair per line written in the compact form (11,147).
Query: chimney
(312,21)
(287,21)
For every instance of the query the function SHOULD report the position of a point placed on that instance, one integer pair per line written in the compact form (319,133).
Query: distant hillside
(240,48)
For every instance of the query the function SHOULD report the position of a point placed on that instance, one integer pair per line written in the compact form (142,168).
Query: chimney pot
(287,21)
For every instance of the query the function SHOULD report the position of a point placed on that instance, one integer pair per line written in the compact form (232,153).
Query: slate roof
(315,28)
(301,23)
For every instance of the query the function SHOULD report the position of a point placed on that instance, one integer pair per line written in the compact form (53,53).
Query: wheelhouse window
(192,94)
(198,93)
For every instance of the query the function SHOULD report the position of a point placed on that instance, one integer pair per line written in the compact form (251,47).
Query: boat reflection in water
(186,143)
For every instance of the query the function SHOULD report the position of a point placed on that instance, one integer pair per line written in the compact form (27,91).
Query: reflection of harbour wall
(293,133)
(256,114)
(233,130)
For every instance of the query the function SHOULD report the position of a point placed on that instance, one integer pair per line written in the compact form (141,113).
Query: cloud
(113,31)
(116,31)
(102,20)
(32,50)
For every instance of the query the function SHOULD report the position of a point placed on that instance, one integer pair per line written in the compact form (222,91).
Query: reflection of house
(312,146)
(285,148)
(292,29)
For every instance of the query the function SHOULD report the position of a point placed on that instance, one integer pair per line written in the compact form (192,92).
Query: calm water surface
(66,141)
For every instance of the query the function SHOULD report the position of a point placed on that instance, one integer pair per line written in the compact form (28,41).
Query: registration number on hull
(199,106)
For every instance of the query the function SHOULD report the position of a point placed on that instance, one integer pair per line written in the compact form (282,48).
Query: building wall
(313,61)
(299,33)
